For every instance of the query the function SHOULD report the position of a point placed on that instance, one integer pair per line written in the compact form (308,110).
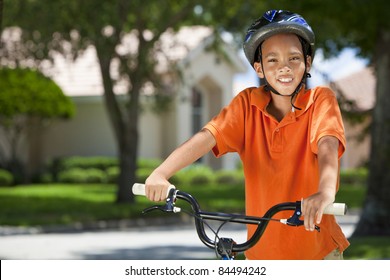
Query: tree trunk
(125,125)
(34,132)
(128,157)
(375,217)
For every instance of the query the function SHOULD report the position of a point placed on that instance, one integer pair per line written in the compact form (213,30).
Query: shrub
(46,178)
(79,175)
(73,175)
(198,175)
(96,176)
(58,167)
(142,174)
(97,162)
(225,177)
(178,179)
(148,163)
(112,174)
(357,176)
(109,165)
(6,178)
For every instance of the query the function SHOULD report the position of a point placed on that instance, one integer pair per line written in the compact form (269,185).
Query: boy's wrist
(327,190)
(161,173)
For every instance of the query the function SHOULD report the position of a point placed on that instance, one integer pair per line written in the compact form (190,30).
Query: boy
(289,139)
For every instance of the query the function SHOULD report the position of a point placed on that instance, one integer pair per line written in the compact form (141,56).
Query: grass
(62,204)
(352,195)
(66,204)
(368,248)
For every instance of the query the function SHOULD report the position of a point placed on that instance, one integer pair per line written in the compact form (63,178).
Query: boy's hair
(274,22)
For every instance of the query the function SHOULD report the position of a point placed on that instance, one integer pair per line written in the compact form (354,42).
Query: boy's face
(283,62)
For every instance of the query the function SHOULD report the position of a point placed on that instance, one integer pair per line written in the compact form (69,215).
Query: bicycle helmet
(274,22)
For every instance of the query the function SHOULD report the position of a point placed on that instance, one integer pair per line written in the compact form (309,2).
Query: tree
(28,100)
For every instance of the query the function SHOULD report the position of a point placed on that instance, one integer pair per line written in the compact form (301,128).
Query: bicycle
(227,248)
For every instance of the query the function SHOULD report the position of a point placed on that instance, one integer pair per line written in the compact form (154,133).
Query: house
(359,88)
(206,86)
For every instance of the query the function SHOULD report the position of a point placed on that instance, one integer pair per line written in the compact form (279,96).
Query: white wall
(89,133)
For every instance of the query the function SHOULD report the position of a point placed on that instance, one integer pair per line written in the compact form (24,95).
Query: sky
(336,68)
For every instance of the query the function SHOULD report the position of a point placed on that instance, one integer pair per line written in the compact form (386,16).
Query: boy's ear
(308,63)
(258,69)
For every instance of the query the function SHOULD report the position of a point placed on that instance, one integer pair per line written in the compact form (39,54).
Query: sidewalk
(142,242)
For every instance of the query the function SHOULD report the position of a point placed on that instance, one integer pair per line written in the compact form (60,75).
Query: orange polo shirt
(280,165)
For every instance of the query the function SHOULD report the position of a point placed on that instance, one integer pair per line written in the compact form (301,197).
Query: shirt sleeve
(228,126)
(326,120)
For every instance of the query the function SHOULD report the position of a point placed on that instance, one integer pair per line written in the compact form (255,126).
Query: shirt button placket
(277,141)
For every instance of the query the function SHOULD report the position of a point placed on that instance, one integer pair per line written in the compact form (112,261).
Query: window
(196,99)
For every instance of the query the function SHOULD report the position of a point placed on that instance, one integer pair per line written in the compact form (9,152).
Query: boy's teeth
(285,80)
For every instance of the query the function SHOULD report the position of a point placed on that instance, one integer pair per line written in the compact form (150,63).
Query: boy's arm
(314,205)
(187,153)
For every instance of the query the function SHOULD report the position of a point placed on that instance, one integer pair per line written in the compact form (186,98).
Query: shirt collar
(260,98)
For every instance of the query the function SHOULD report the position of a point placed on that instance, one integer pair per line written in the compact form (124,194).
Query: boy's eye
(272,60)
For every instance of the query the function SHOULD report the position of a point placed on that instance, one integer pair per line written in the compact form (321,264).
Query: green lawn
(63,204)
(368,248)
(66,204)
(59,205)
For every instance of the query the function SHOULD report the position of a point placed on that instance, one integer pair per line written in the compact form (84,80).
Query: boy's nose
(285,67)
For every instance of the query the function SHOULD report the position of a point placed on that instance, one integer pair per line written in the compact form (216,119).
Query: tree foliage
(29,93)
(27,99)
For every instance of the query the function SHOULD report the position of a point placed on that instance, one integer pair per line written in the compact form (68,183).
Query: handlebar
(200,216)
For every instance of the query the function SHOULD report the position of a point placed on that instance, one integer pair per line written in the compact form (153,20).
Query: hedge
(106,170)
(6,178)
(357,176)
(79,175)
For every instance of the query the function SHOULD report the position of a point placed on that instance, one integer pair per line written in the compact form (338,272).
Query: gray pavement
(135,243)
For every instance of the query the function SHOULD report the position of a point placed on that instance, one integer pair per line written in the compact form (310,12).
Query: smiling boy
(289,138)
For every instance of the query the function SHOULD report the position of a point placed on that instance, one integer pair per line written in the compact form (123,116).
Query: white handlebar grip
(338,209)
(139,189)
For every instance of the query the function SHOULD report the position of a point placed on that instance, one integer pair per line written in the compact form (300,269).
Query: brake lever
(154,207)
(295,220)
(169,204)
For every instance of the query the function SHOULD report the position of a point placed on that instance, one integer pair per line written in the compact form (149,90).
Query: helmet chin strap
(268,87)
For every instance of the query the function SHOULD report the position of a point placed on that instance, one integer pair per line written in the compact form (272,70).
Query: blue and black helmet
(275,22)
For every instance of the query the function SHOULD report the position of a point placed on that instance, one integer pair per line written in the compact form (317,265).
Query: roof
(358,87)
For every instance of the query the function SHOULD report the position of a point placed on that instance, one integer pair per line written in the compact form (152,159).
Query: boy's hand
(156,187)
(313,208)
